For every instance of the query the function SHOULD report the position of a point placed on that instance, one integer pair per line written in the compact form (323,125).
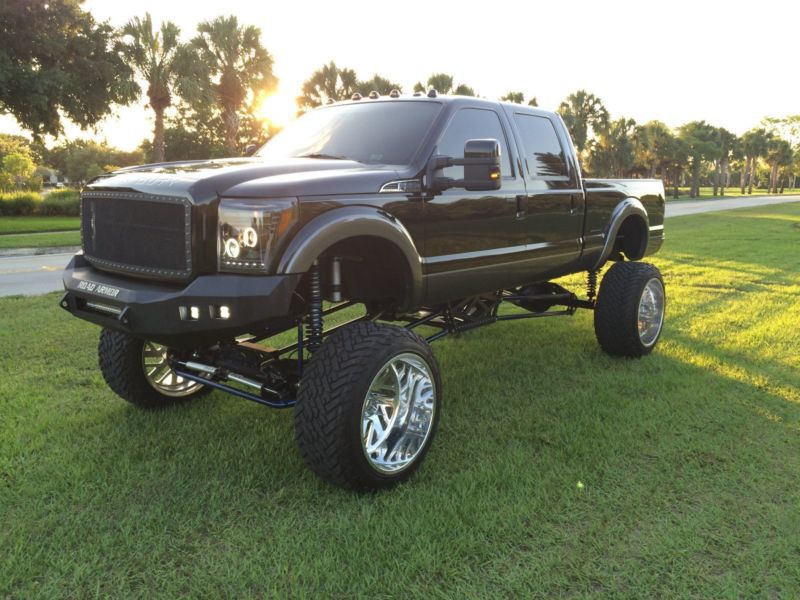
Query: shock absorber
(314,319)
(591,285)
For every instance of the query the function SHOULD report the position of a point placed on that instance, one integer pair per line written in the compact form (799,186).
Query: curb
(7,252)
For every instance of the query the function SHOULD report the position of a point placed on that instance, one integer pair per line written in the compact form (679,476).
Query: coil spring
(591,285)
(314,321)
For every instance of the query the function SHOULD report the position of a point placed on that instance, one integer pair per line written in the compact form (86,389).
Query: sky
(729,63)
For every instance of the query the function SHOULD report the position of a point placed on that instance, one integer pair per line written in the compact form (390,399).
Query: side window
(543,152)
(473,124)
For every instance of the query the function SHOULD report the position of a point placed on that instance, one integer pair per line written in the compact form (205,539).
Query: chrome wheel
(398,413)
(159,373)
(651,312)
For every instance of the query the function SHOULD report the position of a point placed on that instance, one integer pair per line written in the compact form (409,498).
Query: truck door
(554,203)
(469,235)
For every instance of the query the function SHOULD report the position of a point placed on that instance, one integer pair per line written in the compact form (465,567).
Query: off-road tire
(331,396)
(120,358)
(616,314)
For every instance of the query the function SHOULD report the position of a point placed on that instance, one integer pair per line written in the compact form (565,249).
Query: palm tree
(329,82)
(779,154)
(700,140)
(445,84)
(156,57)
(519,98)
(651,148)
(754,146)
(726,142)
(237,66)
(379,84)
(613,154)
(583,112)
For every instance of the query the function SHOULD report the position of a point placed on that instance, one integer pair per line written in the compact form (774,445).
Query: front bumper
(164,313)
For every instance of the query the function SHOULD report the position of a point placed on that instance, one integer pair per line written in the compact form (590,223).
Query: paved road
(681,208)
(39,274)
(31,274)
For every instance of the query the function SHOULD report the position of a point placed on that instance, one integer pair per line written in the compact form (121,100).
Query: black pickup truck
(426,212)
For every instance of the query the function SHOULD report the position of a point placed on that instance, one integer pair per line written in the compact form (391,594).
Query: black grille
(137,233)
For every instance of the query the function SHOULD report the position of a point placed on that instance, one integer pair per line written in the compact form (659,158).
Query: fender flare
(339,224)
(623,210)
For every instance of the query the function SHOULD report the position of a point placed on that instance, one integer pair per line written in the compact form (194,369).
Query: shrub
(63,194)
(62,205)
(19,203)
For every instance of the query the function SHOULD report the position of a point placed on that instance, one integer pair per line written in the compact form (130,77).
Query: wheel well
(631,239)
(373,271)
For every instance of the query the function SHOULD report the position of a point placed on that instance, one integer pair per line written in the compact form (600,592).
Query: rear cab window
(544,156)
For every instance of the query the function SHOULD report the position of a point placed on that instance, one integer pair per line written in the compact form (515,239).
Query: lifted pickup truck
(427,211)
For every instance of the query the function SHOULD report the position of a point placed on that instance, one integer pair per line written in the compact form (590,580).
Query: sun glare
(278,108)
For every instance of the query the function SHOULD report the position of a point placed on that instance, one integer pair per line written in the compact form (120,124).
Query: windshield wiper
(323,155)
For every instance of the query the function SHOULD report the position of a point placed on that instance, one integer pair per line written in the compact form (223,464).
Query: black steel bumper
(179,316)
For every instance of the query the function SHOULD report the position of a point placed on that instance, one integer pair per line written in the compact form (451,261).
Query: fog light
(220,312)
(191,313)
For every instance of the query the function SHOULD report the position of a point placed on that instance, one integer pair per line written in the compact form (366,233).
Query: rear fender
(623,210)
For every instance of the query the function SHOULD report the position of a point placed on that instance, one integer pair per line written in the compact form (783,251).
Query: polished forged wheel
(159,373)
(139,371)
(629,314)
(398,413)
(368,406)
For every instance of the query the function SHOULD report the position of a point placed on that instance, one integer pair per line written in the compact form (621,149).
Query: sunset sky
(730,63)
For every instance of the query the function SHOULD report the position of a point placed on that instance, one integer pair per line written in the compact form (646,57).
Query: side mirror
(249,150)
(481,164)
(482,171)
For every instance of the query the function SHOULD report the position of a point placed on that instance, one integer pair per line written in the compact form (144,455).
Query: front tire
(629,314)
(138,371)
(368,406)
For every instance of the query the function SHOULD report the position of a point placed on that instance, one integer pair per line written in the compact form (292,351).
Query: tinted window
(369,132)
(473,124)
(543,153)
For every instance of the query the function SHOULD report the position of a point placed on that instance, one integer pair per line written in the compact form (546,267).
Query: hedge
(58,203)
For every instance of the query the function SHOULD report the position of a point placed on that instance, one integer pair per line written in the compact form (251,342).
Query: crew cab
(427,212)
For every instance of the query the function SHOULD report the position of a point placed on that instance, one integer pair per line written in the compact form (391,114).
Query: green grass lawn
(41,240)
(557,470)
(38,224)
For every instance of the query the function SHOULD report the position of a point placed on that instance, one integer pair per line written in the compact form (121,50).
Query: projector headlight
(249,230)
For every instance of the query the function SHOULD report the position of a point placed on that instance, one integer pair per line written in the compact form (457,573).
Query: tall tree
(779,154)
(726,146)
(157,58)
(444,83)
(379,84)
(613,153)
(519,98)
(236,66)
(652,148)
(329,82)
(700,140)
(754,146)
(55,60)
(583,113)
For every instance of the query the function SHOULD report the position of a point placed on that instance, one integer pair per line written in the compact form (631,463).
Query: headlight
(249,229)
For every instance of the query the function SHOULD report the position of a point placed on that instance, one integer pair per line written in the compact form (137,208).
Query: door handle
(521,205)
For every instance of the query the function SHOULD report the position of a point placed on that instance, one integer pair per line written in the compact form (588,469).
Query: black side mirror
(481,164)
(249,150)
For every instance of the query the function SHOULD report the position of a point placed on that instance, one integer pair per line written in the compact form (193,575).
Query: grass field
(38,224)
(41,240)
(557,471)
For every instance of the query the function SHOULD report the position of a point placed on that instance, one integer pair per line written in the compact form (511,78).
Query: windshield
(367,132)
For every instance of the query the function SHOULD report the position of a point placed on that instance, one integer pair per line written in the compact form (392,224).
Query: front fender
(623,210)
(340,224)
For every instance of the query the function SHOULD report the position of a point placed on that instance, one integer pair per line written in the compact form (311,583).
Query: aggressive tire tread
(331,395)
(616,312)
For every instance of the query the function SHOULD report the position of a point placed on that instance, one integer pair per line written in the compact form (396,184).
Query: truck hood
(249,178)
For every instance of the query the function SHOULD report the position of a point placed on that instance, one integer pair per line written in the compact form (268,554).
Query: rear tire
(368,406)
(629,314)
(136,370)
